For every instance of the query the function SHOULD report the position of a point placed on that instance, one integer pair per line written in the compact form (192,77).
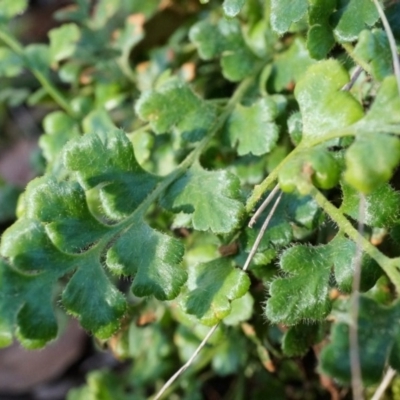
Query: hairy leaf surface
(212,197)
(303,295)
(107,160)
(382,206)
(211,288)
(152,257)
(174,106)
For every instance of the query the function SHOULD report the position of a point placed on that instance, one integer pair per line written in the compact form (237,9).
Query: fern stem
(356,377)
(262,231)
(263,206)
(268,181)
(388,265)
(187,364)
(350,51)
(390,374)
(392,42)
(47,85)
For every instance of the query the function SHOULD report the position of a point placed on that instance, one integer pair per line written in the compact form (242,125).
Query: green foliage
(323,105)
(303,294)
(378,341)
(165,106)
(226,40)
(10,8)
(373,48)
(382,205)
(284,13)
(193,193)
(151,149)
(313,167)
(253,127)
(210,289)
(363,175)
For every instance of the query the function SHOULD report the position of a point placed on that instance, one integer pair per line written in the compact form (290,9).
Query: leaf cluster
(153,169)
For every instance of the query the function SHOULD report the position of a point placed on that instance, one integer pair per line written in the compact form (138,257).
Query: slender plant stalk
(186,365)
(47,85)
(263,206)
(390,374)
(353,79)
(392,42)
(350,51)
(356,377)
(261,233)
(260,189)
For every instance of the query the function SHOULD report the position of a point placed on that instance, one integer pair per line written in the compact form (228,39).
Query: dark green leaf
(26,302)
(107,159)
(224,39)
(303,293)
(382,206)
(293,210)
(152,257)
(378,332)
(253,127)
(211,288)
(285,12)
(29,249)
(320,39)
(342,253)
(299,338)
(62,207)
(352,16)
(90,296)
(213,197)
(26,296)
(174,107)
(373,48)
